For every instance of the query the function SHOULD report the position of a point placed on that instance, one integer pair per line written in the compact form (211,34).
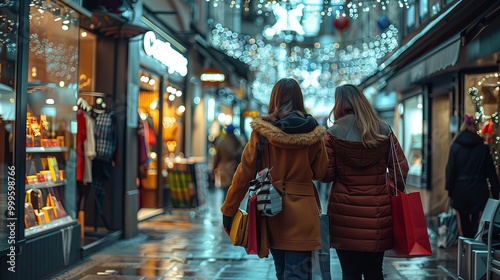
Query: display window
(8,53)
(178,186)
(410,137)
(481,101)
(51,120)
(149,124)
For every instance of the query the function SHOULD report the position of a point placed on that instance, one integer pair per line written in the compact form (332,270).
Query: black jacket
(469,166)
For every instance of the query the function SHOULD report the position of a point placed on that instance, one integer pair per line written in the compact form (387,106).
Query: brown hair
(286,97)
(349,99)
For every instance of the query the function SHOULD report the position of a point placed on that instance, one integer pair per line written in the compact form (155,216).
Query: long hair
(349,99)
(286,97)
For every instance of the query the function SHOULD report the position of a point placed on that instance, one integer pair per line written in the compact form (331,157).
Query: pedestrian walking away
(359,203)
(295,152)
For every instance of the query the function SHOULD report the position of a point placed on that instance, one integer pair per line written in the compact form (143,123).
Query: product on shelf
(37,213)
(29,215)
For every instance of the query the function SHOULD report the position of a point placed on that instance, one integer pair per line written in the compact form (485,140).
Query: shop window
(51,119)
(423,10)
(411,142)
(8,52)
(410,19)
(481,101)
(435,7)
(149,116)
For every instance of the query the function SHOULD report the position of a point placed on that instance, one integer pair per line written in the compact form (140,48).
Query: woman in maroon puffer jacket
(359,203)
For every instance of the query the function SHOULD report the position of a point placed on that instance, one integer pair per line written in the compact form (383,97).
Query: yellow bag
(239,229)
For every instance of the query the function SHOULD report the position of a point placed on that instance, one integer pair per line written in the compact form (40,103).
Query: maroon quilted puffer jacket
(359,203)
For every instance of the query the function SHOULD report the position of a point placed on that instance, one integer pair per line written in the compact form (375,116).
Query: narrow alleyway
(192,245)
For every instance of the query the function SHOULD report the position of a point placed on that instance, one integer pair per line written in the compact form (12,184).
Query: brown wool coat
(359,203)
(296,160)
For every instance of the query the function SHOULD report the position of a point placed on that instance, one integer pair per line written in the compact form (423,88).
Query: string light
(333,64)
(328,7)
(477,101)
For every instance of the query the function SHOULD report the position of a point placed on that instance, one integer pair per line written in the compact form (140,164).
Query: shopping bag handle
(395,161)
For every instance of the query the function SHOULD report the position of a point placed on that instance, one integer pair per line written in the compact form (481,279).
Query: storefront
(161,107)
(38,95)
(481,100)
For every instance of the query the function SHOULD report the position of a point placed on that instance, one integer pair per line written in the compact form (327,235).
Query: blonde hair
(349,99)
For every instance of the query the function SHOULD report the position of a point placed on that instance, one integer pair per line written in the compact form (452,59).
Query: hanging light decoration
(341,23)
(383,22)
(330,64)
(329,7)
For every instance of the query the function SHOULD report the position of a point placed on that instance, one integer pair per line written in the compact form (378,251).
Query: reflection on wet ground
(186,246)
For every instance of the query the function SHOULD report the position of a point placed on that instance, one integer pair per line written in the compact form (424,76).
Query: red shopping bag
(252,247)
(409,228)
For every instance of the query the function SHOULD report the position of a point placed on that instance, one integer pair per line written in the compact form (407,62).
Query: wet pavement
(188,244)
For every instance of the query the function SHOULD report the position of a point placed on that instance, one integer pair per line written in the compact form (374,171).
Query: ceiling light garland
(328,7)
(318,69)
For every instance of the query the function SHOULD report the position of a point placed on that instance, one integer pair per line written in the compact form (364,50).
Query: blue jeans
(292,264)
(356,264)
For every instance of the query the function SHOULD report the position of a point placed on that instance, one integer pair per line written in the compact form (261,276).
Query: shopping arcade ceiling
(321,43)
(337,45)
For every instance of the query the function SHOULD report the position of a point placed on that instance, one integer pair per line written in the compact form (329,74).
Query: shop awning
(111,25)
(439,60)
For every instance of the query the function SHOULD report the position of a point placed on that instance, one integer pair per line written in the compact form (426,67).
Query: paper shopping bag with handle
(252,247)
(409,228)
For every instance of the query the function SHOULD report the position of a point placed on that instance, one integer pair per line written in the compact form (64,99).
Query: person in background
(468,170)
(295,152)
(359,205)
(227,157)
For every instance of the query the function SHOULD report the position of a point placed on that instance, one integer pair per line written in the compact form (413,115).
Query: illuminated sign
(212,77)
(164,53)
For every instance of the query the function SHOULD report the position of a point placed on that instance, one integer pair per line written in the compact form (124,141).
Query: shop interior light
(181,110)
(84,34)
(178,93)
(171,97)
(50,101)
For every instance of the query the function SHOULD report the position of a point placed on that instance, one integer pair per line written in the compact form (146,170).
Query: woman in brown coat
(296,153)
(359,203)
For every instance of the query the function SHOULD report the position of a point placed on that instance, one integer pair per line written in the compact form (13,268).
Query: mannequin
(106,142)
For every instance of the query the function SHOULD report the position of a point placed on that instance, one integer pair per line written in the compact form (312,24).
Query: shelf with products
(46,185)
(45,177)
(53,224)
(33,150)
(43,209)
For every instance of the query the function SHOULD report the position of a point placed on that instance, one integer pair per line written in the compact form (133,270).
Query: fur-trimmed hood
(278,137)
